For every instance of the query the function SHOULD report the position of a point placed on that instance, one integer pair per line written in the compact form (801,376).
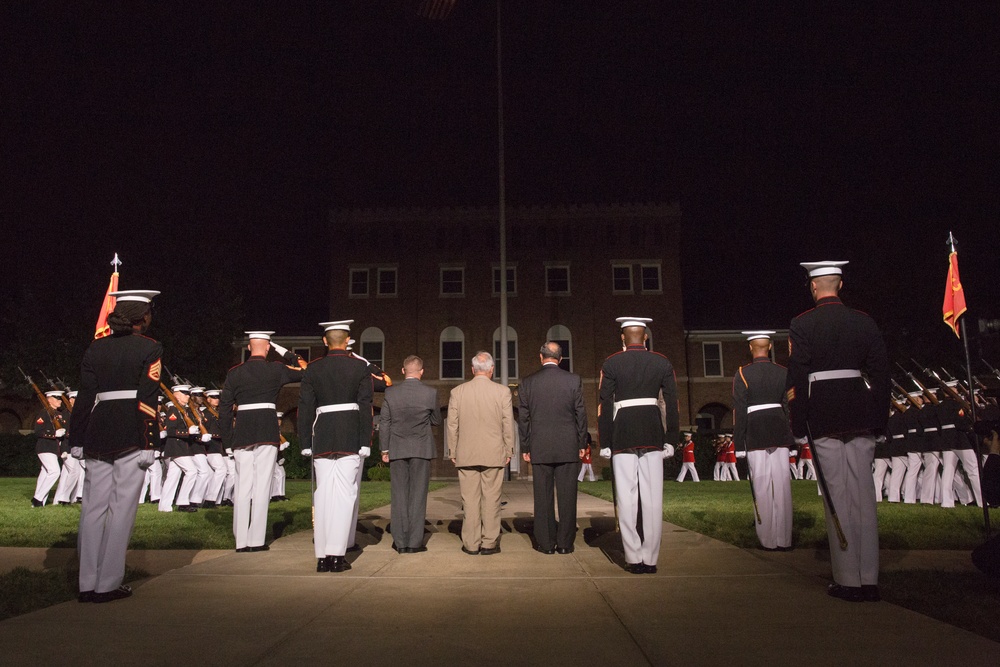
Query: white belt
(122,395)
(947,426)
(930,430)
(842,374)
(631,403)
(911,430)
(337,407)
(256,406)
(762,406)
(898,436)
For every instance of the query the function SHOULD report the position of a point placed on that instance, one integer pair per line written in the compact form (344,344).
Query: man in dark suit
(408,412)
(835,408)
(552,421)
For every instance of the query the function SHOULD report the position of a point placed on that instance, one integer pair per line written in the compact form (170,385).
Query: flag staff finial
(951,241)
(116,262)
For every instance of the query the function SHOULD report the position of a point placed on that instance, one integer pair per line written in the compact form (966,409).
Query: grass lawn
(56,526)
(967,600)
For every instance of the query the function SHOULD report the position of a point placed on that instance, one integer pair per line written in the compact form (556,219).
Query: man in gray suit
(552,421)
(408,412)
(480,444)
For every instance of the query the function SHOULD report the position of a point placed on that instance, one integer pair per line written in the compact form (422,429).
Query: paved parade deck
(710,603)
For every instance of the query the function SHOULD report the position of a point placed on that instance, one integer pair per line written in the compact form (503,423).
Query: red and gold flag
(954,296)
(103,329)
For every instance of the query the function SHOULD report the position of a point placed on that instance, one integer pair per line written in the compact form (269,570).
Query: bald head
(760,347)
(259,347)
(336,339)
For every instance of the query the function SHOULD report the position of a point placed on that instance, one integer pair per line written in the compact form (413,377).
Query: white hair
(482,362)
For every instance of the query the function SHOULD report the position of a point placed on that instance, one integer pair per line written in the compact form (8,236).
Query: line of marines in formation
(833,397)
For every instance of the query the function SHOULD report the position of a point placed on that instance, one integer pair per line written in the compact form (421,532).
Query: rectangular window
(452,281)
(372,351)
(567,360)
(511,281)
(713,359)
(651,279)
(387,282)
(556,280)
(452,361)
(511,359)
(359,283)
(621,278)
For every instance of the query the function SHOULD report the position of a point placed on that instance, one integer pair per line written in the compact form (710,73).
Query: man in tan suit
(480,444)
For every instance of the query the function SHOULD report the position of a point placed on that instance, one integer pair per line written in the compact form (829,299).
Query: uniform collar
(758,360)
(633,348)
(828,300)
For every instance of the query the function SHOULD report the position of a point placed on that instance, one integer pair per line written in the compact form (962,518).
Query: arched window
(561,335)
(373,346)
(511,353)
(452,354)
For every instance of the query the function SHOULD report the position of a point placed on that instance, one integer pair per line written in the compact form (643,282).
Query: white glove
(605,452)
(60,432)
(146,458)
(229,452)
(64,456)
(880,439)
(741,455)
(76,452)
(205,437)
(280,462)
(801,441)
(307,452)
(159,453)
(793,452)
(365,452)
(279,349)
(163,435)
(668,450)
(283,446)
(193,430)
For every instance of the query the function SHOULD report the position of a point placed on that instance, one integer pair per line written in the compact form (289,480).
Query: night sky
(205,143)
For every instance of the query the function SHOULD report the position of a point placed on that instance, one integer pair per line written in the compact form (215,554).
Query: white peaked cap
(262,335)
(55,393)
(143,295)
(340,325)
(754,335)
(213,392)
(72,394)
(186,388)
(634,321)
(827,268)
(197,390)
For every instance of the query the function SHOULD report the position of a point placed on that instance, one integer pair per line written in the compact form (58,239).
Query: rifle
(173,399)
(902,390)
(992,370)
(64,390)
(945,387)
(57,420)
(920,385)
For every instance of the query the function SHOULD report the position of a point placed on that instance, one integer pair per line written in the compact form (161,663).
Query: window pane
(372,351)
(359,282)
(387,281)
(621,277)
(511,358)
(557,279)
(650,278)
(451,281)
(713,358)
(511,285)
(451,359)
(565,363)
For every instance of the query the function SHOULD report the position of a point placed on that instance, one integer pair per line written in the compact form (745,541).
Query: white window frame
(569,284)
(450,295)
(704,360)
(631,285)
(350,282)
(378,281)
(659,277)
(451,335)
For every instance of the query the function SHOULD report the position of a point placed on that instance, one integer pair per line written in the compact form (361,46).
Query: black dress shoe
(323,564)
(418,550)
(635,568)
(404,550)
(187,508)
(547,552)
(848,593)
(564,550)
(226,503)
(650,569)
(471,553)
(119,593)
(244,550)
(208,504)
(36,503)
(869,593)
(353,548)
(339,564)
(262,547)
(85,596)
(490,551)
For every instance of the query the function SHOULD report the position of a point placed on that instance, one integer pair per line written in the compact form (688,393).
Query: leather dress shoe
(36,503)
(650,569)
(869,593)
(564,550)
(208,504)
(547,552)
(471,553)
(339,564)
(404,550)
(635,568)
(418,550)
(119,593)
(323,564)
(244,550)
(187,508)
(262,547)
(848,593)
(490,551)
(85,596)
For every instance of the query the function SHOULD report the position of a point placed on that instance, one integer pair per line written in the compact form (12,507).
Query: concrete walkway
(710,603)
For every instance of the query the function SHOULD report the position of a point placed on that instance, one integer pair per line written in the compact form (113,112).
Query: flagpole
(952,243)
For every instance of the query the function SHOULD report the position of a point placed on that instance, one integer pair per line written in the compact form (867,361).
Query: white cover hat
(825,268)
(142,295)
(634,321)
(340,325)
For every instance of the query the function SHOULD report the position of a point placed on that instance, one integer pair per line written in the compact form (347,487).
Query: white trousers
(230,484)
(203,475)
(881,467)
(951,458)
(772,487)
(217,462)
(685,469)
(353,538)
(83,477)
(254,469)
(929,477)
(913,463)
(153,482)
(278,481)
(898,470)
(335,499)
(807,469)
(731,473)
(47,476)
(107,516)
(639,479)
(69,479)
(178,466)
(717,471)
(587,469)
(847,468)
(793,471)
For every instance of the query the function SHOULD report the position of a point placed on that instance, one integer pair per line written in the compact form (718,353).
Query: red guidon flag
(954,296)
(103,329)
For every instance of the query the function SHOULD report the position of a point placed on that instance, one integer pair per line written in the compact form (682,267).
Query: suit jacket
(551,418)
(409,410)
(480,424)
